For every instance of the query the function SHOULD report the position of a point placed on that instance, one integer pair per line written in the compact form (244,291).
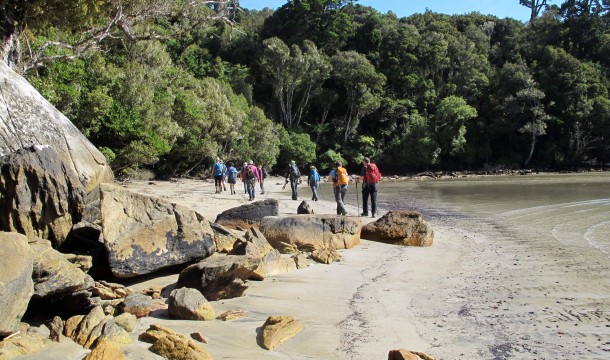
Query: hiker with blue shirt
(313,180)
(218,171)
(232,177)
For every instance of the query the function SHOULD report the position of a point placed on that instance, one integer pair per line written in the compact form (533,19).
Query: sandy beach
(476,293)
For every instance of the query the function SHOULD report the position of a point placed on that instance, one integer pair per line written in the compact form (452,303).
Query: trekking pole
(357,199)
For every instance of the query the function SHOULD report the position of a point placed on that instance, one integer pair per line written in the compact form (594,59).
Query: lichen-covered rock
(23,344)
(28,119)
(144,234)
(105,350)
(16,286)
(247,215)
(400,227)
(253,244)
(138,304)
(53,275)
(42,196)
(172,345)
(189,304)
(222,276)
(278,329)
(127,321)
(310,232)
(326,256)
(223,238)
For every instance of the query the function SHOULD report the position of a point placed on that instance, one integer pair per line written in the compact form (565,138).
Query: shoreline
(480,291)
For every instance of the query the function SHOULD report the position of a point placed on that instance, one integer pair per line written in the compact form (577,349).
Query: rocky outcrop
(404,354)
(253,244)
(143,234)
(172,345)
(278,329)
(27,119)
(304,208)
(95,326)
(42,196)
(189,304)
(247,215)
(223,238)
(16,286)
(310,232)
(400,227)
(53,275)
(221,276)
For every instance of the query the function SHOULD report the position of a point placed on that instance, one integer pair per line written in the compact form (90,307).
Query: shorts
(218,179)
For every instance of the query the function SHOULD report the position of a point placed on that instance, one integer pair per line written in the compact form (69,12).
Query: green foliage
(174,89)
(327,160)
(295,146)
(415,147)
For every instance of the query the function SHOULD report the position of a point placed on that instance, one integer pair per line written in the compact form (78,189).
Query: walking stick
(357,199)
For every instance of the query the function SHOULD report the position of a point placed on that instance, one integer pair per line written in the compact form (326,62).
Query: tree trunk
(527,161)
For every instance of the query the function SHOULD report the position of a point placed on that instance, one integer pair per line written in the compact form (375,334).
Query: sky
(499,8)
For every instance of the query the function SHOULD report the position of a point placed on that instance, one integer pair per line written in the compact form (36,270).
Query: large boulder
(311,232)
(53,274)
(222,276)
(400,227)
(42,196)
(247,215)
(16,286)
(27,119)
(144,234)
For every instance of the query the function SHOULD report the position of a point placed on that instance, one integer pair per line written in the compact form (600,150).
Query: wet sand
(479,292)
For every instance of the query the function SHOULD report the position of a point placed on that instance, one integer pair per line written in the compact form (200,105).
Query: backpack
(218,169)
(231,173)
(265,173)
(250,174)
(372,174)
(294,170)
(314,176)
(341,176)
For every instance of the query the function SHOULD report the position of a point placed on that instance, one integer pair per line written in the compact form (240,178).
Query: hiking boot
(365,214)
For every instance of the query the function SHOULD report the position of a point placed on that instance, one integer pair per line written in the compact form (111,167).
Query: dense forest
(170,85)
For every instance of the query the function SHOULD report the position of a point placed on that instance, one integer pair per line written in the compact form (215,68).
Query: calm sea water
(574,209)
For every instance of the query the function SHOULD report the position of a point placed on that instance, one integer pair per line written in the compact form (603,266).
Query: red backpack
(372,174)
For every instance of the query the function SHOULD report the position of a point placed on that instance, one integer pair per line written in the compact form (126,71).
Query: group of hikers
(369,177)
(250,174)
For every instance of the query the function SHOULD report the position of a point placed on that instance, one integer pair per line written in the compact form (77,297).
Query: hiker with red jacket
(369,176)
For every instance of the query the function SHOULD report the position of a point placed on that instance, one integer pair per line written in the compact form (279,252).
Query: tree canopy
(171,85)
